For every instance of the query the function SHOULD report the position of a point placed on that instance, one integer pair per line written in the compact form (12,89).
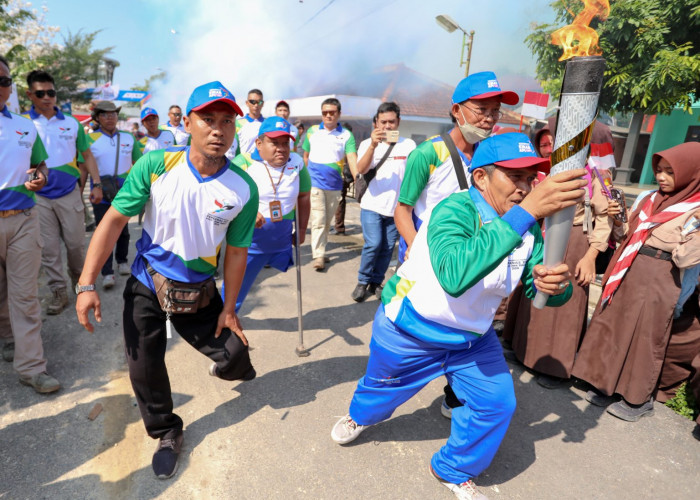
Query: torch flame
(579,31)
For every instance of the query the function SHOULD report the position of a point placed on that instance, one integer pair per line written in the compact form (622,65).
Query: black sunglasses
(254,102)
(41,93)
(5,81)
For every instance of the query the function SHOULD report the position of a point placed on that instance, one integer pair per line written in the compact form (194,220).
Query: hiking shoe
(213,371)
(59,301)
(464,491)
(43,383)
(319,264)
(164,461)
(346,430)
(445,409)
(548,382)
(358,294)
(629,412)
(124,268)
(108,281)
(8,351)
(598,398)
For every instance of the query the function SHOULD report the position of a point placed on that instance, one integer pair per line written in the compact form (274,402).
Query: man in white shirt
(382,160)
(174,124)
(155,138)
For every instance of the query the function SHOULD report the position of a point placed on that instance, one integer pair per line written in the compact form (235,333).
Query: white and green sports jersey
(20,147)
(187,217)
(181,136)
(463,263)
(327,150)
(247,130)
(64,140)
(430,177)
(165,140)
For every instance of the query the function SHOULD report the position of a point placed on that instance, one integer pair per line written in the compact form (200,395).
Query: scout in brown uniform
(546,340)
(624,348)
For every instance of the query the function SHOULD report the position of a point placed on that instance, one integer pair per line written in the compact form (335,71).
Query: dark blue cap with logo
(208,94)
(513,150)
(482,86)
(146,112)
(275,126)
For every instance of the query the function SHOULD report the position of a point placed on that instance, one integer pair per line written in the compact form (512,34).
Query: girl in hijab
(624,349)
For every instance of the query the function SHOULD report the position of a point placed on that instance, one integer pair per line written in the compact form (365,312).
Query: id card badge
(275,211)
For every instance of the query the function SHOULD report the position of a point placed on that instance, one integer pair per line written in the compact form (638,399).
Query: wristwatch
(84,288)
(97,185)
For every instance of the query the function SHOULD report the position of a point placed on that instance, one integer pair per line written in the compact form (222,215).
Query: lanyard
(272,183)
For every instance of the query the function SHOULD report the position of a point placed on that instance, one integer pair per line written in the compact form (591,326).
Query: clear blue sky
(282,46)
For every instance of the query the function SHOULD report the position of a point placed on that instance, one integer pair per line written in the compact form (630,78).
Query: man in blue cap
(436,312)
(155,138)
(283,184)
(430,173)
(194,198)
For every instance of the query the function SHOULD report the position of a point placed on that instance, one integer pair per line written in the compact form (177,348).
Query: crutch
(300,349)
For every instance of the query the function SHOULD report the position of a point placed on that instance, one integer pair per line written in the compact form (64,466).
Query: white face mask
(472,134)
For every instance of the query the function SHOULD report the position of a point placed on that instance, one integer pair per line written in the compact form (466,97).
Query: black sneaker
(358,294)
(548,381)
(165,458)
(375,289)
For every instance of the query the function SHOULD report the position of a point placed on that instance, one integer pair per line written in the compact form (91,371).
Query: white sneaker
(346,430)
(108,281)
(445,409)
(464,491)
(124,268)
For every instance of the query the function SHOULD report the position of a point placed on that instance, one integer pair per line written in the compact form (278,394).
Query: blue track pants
(400,365)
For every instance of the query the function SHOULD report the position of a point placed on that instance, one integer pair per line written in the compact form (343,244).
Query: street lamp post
(449,25)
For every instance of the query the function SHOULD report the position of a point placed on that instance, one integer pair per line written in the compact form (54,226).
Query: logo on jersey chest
(221,206)
(22,138)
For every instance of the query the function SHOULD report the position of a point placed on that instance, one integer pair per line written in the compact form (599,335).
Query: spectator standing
(325,148)
(60,203)
(115,152)
(22,153)
(386,160)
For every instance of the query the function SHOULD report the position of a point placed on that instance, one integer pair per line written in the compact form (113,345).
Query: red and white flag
(602,156)
(535,105)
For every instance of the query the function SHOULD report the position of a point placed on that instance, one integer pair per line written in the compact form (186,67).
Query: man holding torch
(436,312)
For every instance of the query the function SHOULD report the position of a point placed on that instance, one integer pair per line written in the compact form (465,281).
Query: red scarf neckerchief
(646,223)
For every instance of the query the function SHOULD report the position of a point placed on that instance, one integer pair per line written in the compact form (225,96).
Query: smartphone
(32,176)
(392,136)
(618,196)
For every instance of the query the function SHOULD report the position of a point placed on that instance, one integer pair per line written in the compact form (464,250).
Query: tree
(652,49)
(29,44)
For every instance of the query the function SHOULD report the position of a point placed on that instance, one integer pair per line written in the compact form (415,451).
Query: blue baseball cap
(482,86)
(146,112)
(209,93)
(513,150)
(275,126)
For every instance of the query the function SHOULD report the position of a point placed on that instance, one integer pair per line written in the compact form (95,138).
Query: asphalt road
(270,438)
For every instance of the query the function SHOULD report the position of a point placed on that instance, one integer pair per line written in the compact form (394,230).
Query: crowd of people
(466,208)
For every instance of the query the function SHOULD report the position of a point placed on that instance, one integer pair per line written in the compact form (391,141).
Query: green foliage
(684,403)
(652,49)
(148,83)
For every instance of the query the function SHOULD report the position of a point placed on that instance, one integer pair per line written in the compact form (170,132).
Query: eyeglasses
(176,114)
(483,114)
(108,114)
(41,93)
(5,81)
(329,112)
(254,102)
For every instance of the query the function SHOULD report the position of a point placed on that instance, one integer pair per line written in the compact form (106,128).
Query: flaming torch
(578,104)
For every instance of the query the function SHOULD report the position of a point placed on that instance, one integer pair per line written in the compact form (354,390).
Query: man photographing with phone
(382,161)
